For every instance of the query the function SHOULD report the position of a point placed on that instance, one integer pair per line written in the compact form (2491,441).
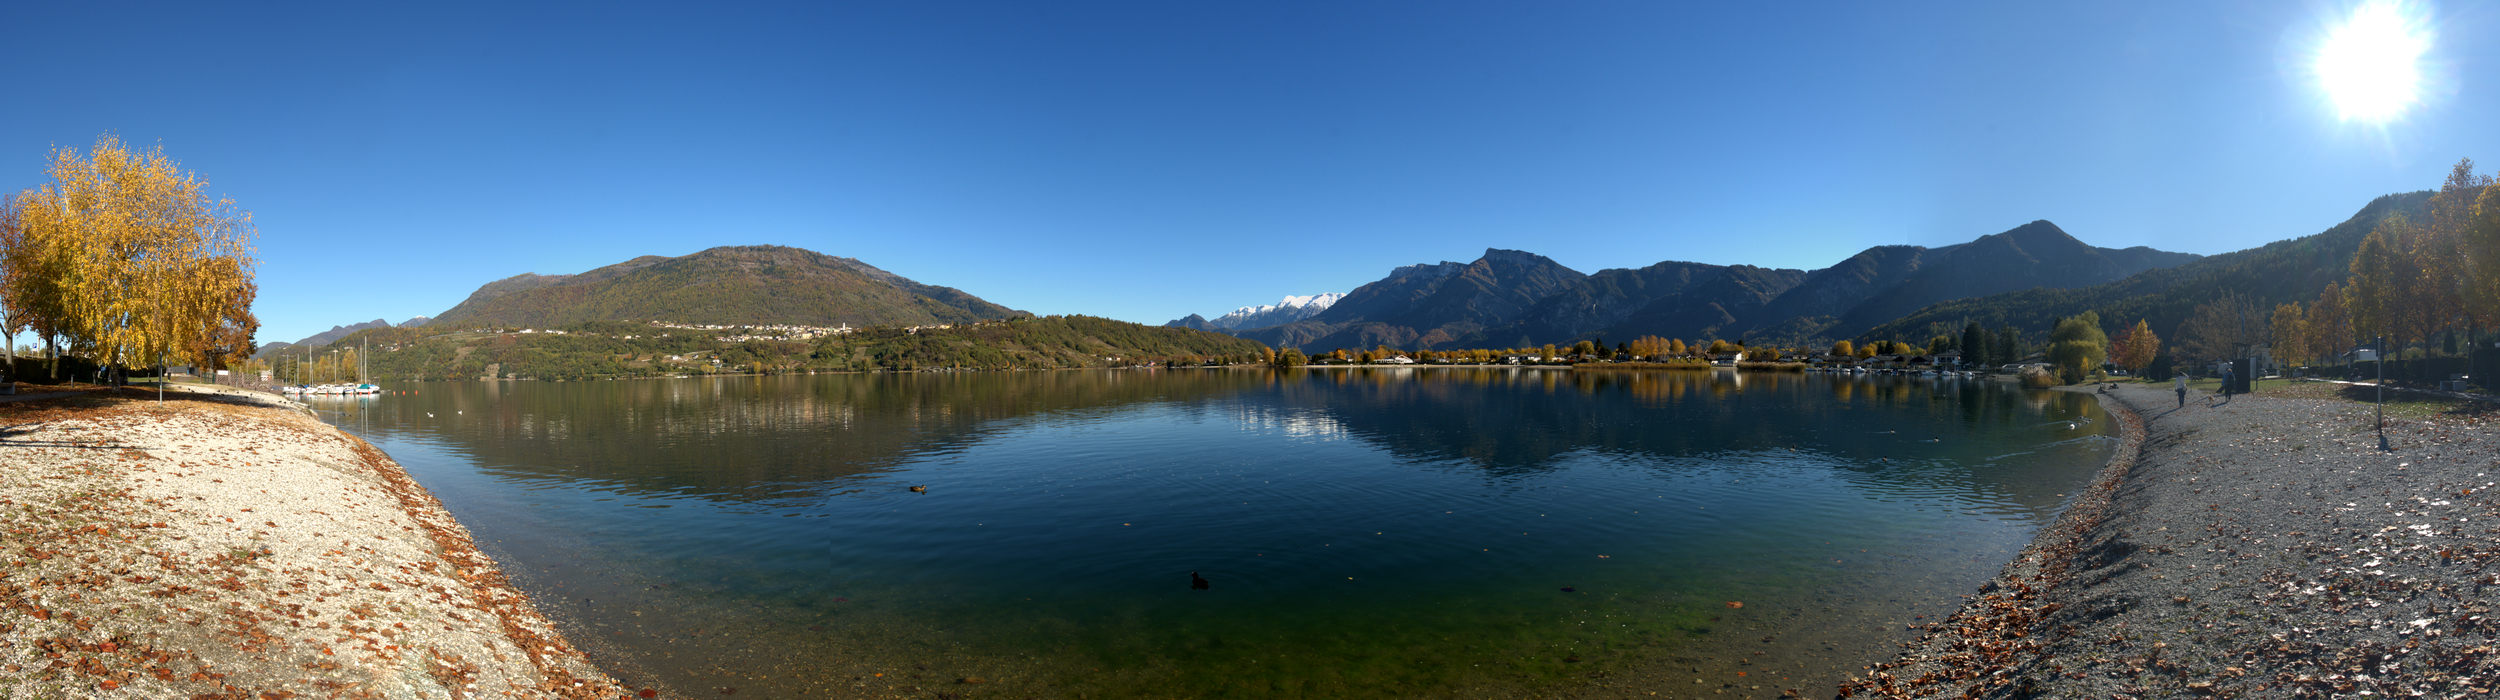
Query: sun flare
(2371,64)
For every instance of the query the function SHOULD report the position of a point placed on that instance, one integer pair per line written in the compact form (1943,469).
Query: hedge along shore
(223,544)
(2256,546)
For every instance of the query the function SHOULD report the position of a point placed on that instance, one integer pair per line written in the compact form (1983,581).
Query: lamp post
(2381,343)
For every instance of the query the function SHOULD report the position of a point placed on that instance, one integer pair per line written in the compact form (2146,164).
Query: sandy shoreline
(2260,546)
(218,546)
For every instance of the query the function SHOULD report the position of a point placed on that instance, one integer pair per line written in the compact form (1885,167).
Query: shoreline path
(2260,546)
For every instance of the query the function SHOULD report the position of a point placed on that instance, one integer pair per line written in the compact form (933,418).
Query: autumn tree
(1843,349)
(2381,280)
(2136,347)
(2330,323)
(2437,296)
(2291,334)
(2077,346)
(2222,329)
(1650,346)
(141,263)
(14,316)
(2482,253)
(33,266)
(2455,286)
(1289,357)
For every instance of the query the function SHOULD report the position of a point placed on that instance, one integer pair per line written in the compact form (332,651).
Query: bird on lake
(1197,582)
(920,489)
(429,414)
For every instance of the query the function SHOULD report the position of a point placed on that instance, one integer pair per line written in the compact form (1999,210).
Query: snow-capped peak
(1300,307)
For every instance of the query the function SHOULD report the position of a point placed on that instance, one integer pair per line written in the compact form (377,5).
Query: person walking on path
(2182,384)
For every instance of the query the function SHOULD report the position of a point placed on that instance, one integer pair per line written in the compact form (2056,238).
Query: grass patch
(2400,404)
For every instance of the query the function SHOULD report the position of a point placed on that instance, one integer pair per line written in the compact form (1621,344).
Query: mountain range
(328,336)
(2291,270)
(1509,298)
(2026,277)
(1293,308)
(731,285)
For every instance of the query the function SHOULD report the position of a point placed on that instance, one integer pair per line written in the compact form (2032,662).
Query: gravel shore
(2260,546)
(223,545)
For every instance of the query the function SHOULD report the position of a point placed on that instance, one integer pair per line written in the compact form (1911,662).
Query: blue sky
(1147,160)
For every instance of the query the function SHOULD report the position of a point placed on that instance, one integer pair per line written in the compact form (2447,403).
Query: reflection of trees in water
(750,438)
(1517,423)
(759,438)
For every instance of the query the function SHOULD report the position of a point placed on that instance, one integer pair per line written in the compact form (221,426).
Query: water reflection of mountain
(752,438)
(755,439)
(1517,423)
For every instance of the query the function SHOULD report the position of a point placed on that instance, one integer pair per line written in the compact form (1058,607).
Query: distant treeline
(606,349)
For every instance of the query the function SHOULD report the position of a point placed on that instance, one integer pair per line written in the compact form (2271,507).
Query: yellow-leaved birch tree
(141,262)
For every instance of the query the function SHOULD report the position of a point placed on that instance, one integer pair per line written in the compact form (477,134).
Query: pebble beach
(223,544)
(2251,546)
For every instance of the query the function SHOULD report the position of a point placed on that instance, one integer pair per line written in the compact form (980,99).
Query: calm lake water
(1423,532)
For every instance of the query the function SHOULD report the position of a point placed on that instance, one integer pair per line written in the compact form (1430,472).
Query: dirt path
(2261,546)
(217,546)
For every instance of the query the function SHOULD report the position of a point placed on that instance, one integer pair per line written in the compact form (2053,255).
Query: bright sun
(2371,65)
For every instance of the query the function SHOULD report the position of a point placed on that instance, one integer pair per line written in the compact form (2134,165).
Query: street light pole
(2381,342)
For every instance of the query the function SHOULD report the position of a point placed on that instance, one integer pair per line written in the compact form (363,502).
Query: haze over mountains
(1511,298)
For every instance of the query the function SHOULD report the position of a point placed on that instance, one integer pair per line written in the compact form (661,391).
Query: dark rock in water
(1197,582)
